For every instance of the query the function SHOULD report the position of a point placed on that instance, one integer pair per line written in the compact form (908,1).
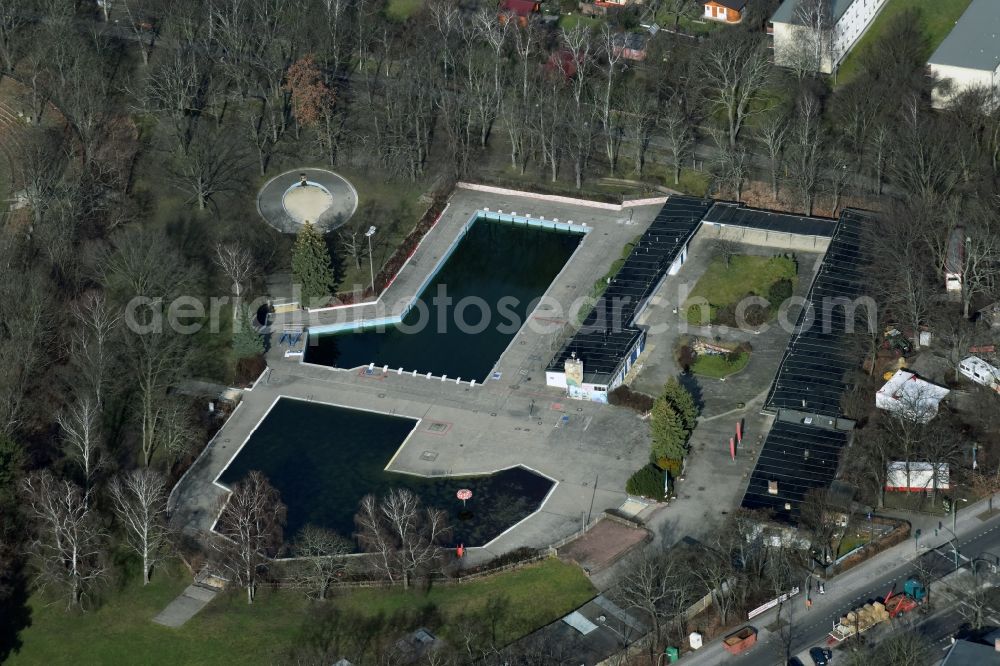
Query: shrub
(623,396)
(686,357)
(756,314)
(724,315)
(779,292)
(647,482)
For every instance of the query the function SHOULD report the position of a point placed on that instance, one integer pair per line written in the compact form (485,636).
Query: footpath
(849,589)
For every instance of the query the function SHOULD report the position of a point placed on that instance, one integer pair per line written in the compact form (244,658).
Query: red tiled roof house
(726,11)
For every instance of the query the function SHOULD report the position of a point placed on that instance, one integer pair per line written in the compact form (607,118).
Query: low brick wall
(556,198)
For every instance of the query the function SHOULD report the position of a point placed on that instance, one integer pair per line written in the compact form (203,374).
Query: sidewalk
(854,585)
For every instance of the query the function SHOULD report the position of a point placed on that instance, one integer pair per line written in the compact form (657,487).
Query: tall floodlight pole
(371,262)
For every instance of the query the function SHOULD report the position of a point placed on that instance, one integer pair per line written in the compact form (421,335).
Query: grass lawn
(937,16)
(849,543)
(228,631)
(723,285)
(568,21)
(693,182)
(538,594)
(718,366)
(400,10)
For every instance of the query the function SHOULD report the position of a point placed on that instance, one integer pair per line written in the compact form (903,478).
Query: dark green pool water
(508,267)
(324,459)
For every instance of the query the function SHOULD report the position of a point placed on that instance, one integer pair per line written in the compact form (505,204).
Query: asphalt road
(804,628)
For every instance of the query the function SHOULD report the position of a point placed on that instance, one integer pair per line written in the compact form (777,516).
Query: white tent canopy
(920,477)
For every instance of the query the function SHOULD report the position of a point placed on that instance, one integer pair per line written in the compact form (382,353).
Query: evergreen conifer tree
(669,434)
(247,341)
(682,402)
(311,265)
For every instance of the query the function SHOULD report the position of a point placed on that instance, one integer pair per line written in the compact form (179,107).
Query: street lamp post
(371,262)
(954,515)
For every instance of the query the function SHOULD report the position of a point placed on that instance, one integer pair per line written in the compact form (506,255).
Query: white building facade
(847,21)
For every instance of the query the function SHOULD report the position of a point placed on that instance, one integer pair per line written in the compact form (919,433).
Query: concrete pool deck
(515,420)
(610,231)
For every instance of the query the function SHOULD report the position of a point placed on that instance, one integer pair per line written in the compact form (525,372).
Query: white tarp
(910,397)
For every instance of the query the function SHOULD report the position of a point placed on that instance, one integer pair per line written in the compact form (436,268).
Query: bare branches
(251,522)
(402,536)
(90,344)
(237,263)
(323,560)
(735,69)
(68,544)
(140,504)
(80,423)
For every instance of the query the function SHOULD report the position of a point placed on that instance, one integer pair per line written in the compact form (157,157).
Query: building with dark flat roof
(802,450)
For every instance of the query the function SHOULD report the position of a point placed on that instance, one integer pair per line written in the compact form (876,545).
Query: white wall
(851,26)
(961,79)
(849,29)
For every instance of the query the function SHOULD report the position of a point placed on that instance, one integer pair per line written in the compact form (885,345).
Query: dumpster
(740,640)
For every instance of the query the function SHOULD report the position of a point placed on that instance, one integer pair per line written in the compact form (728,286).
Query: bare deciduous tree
(659,585)
(13,19)
(811,46)
(639,117)
(67,543)
(140,504)
(251,523)
(402,536)
(734,69)
(806,148)
(773,133)
(237,263)
(676,122)
(80,424)
(91,343)
(323,560)
(209,166)
(25,336)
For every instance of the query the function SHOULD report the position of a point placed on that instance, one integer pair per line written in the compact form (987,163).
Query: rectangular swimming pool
(470,311)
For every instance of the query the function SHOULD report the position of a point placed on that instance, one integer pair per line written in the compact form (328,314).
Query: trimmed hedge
(647,482)
(623,396)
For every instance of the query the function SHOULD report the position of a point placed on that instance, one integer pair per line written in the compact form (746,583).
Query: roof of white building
(974,42)
(786,12)
(910,395)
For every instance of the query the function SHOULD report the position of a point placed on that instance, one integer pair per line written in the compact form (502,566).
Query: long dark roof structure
(798,458)
(801,451)
(811,375)
(734,214)
(609,333)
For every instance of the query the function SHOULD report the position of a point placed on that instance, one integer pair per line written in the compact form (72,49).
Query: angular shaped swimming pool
(323,459)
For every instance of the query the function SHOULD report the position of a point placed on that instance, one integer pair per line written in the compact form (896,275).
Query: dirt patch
(603,544)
